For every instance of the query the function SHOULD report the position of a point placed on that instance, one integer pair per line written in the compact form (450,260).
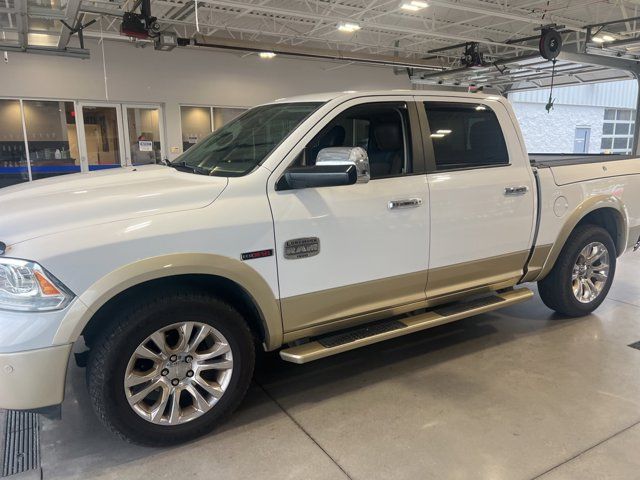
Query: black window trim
(430,156)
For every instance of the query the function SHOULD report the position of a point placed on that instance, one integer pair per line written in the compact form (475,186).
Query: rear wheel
(171,368)
(582,276)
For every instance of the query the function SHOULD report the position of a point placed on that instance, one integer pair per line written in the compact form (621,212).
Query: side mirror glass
(356,156)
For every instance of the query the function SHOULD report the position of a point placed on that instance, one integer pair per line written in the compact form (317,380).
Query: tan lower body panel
(464,276)
(316,349)
(537,262)
(328,310)
(305,311)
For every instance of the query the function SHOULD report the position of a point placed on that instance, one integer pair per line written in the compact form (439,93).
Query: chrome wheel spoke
(144,393)
(185,330)
(134,379)
(199,402)
(178,373)
(161,406)
(200,337)
(174,408)
(213,390)
(222,364)
(143,352)
(160,339)
(590,273)
(218,350)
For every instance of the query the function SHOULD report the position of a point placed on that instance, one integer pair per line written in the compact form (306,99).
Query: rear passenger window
(465,136)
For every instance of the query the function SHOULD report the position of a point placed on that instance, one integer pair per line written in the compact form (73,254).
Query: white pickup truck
(313,225)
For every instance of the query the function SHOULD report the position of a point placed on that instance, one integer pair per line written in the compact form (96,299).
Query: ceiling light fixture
(413,6)
(608,38)
(597,39)
(266,54)
(349,27)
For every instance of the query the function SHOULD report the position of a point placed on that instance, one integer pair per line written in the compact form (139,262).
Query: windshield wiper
(183,167)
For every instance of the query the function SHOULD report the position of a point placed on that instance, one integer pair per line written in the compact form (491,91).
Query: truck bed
(547,160)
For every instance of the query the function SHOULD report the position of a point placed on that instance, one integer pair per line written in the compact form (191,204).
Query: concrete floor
(516,394)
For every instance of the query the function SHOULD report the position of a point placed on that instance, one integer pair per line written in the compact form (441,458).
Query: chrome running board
(343,341)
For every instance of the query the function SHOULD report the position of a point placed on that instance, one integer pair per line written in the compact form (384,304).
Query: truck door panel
(372,255)
(481,194)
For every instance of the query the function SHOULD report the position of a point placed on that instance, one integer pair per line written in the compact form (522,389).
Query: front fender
(165,266)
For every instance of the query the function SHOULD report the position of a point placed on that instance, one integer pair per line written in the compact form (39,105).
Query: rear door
(481,194)
(372,238)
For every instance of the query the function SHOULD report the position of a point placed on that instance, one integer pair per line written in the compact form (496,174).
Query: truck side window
(465,135)
(382,129)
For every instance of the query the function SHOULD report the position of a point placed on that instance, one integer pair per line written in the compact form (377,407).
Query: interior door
(482,199)
(372,238)
(100,136)
(143,131)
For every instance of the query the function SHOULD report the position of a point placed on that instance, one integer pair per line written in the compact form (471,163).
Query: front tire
(170,368)
(582,276)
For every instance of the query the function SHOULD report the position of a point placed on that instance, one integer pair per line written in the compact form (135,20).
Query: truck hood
(63,203)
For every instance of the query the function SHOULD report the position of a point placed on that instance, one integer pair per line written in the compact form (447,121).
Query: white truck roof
(348,94)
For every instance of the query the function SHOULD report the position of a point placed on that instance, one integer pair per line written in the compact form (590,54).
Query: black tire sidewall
(140,323)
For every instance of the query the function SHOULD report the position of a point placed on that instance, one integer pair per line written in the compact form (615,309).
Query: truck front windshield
(239,146)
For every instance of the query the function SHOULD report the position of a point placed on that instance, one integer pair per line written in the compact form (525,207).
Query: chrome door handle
(513,191)
(408,203)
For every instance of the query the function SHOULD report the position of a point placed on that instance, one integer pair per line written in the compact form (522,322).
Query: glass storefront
(52,138)
(144,135)
(198,122)
(102,136)
(13,157)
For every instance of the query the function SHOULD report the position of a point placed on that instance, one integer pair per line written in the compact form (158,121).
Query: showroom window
(198,122)
(465,135)
(617,131)
(52,138)
(51,146)
(13,157)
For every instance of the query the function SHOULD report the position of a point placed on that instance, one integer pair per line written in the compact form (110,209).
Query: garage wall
(555,132)
(183,76)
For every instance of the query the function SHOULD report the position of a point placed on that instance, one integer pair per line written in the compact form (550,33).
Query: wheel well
(611,220)
(224,288)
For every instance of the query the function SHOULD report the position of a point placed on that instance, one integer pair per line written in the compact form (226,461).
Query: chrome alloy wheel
(590,272)
(178,373)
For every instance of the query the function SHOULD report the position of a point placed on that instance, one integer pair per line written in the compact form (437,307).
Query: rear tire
(583,273)
(196,389)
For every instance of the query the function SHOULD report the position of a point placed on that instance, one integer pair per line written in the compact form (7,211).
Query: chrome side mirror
(356,156)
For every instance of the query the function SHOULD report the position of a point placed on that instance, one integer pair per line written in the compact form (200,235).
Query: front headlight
(27,287)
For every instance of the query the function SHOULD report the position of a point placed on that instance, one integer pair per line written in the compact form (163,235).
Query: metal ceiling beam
(69,52)
(22,24)
(573,55)
(304,52)
(466,7)
(363,23)
(71,14)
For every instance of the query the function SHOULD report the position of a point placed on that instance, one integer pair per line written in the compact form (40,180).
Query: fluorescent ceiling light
(349,27)
(437,135)
(598,39)
(414,6)
(443,132)
(608,38)
(266,54)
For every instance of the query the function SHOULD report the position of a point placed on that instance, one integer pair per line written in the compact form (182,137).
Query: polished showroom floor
(516,394)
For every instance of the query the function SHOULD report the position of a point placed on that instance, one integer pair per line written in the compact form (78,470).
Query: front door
(482,198)
(372,238)
(119,135)
(143,125)
(101,136)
